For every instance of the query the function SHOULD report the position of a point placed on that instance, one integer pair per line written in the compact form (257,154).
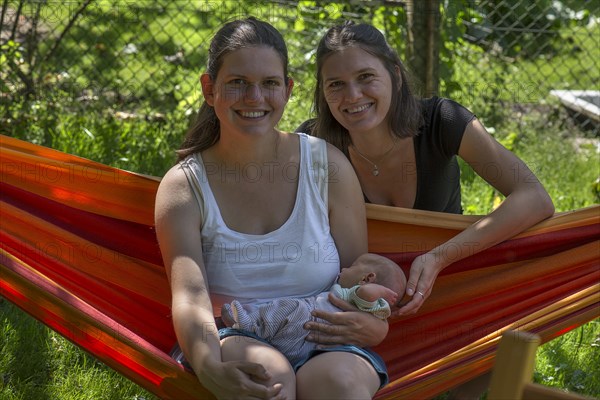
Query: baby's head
(373,268)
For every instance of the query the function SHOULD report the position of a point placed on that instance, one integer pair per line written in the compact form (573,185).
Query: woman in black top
(404,152)
(404,149)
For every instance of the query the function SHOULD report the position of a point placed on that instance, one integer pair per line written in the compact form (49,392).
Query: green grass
(36,363)
(570,362)
(567,164)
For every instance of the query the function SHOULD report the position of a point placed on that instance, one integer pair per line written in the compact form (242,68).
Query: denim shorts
(374,359)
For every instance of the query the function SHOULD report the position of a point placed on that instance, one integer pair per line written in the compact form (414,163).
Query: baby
(371,283)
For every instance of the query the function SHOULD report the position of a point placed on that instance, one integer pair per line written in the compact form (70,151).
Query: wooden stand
(513,371)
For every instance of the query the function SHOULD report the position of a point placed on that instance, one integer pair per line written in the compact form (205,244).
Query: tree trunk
(423,43)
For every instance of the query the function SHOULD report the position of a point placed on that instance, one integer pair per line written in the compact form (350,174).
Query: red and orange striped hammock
(79,253)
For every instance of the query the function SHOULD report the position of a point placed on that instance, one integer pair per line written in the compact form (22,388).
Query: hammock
(79,253)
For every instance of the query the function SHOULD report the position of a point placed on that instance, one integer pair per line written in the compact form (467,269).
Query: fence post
(424,42)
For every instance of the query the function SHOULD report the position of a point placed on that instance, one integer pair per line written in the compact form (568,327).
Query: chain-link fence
(144,57)
(535,53)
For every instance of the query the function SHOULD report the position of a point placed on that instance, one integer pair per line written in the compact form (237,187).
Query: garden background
(117,82)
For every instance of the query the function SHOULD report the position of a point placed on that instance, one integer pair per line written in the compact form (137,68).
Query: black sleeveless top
(436,146)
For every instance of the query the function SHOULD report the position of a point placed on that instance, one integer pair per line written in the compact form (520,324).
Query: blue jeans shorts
(373,358)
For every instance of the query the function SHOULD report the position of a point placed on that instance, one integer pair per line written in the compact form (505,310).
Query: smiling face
(358,89)
(250,91)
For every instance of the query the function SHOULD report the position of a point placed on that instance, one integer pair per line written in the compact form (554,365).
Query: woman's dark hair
(234,35)
(405,116)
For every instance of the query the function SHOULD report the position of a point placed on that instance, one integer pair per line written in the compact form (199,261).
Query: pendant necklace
(375,171)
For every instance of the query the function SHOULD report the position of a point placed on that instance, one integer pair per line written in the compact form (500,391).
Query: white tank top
(298,259)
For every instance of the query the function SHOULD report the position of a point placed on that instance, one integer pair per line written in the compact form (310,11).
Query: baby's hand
(373,291)
(390,296)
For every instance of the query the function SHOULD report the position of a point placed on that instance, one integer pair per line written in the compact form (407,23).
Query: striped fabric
(78,251)
(280,322)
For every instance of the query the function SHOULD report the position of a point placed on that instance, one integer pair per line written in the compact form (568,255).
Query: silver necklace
(375,171)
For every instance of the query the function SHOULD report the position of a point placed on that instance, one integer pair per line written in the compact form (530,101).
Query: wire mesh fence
(539,50)
(143,58)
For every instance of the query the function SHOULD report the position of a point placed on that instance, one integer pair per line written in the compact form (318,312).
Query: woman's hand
(239,380)
(423,272)
(346,327)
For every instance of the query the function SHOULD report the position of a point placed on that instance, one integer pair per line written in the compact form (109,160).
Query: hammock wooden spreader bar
(78,252)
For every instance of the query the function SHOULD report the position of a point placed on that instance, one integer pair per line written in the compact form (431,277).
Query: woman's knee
(241,348)
(337,375)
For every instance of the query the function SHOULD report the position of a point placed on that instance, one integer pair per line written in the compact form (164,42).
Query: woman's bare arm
(347,218)
(178,222)
(526,204)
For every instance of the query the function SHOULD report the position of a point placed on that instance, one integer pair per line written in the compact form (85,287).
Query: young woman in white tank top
(270,217)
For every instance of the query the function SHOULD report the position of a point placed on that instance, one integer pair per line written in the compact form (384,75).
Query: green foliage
(10,57)
(559,52)
(454,13)
(143,143)
(516,27)
(480,83)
